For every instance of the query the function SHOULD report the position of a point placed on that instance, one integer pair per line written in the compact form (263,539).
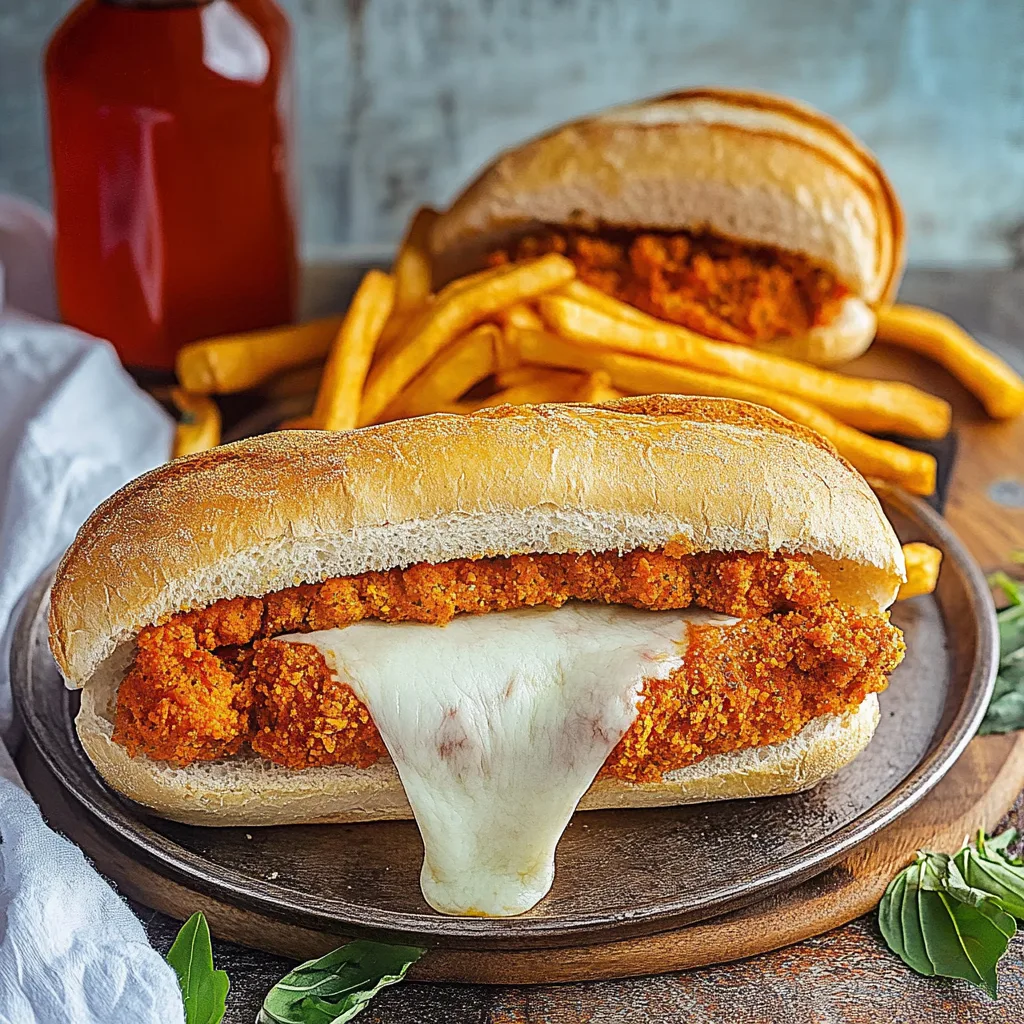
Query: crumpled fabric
(73,429)
(71,950)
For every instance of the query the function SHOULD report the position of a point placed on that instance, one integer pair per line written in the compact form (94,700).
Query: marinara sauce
(170,131)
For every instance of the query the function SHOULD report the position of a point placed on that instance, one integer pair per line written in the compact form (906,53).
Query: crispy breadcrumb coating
(180,703)
(755,683)
(305,717)
(758,682)
(735,583)
(714,286)
(211,682)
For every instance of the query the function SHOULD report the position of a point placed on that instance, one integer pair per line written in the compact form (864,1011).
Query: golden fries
(588,295)
(522,316)
(199,426)
(597,388)
(412,264)
(996,384)
(456,309)
(533,332)
(412,274)
(236,362)
(872,405)
(449,375)
(341,389)
(303,380)
(555,387)
(528,374)
(638,375)
(923,563)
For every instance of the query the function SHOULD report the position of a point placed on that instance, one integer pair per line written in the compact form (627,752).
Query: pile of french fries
(532,332)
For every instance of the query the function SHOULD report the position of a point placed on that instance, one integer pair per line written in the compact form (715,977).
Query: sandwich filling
(715,286)
(656,661)
(498,725)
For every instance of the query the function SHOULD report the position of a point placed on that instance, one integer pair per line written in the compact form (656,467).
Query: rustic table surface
(844,977)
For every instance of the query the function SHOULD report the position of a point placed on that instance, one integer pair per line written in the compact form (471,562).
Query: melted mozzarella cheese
(498,724)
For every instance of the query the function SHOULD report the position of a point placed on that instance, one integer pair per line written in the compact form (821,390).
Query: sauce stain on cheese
(498,724)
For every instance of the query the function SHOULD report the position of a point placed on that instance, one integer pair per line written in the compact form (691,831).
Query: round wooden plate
(620,874)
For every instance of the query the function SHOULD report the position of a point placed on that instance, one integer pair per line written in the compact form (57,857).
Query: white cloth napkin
(73,428)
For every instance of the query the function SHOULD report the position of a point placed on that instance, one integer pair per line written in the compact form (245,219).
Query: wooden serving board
(975,793)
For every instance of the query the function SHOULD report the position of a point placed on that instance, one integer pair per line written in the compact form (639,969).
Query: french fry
(712,327)
(923,563)
(412,264)
(522,316)
(588,295)
(597,388)
(411,320)
(529,374)
(639,375)
(341,387)
(298,423)
(562,387)
(236,362)
(303,380)
(199,427)
(456,309)
(412,277)
(871,405)
(449,375)
(996,384)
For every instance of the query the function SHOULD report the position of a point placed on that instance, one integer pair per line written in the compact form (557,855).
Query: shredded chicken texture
(714,286)
(210,683)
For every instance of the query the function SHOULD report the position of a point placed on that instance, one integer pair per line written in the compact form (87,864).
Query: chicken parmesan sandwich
(483,622)
(743,216)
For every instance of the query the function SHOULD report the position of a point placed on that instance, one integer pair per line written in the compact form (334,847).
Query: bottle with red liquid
(170,137)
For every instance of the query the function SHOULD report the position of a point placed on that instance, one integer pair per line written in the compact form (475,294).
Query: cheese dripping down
(498,724)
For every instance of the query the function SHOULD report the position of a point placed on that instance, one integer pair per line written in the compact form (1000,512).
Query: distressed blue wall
(401,100)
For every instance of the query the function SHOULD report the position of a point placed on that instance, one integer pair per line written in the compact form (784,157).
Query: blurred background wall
(400,101)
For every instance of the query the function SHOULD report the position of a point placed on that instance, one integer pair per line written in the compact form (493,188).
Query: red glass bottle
(170,132)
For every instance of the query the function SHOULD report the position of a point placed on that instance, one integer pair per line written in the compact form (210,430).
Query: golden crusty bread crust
(750,166)
(300,506)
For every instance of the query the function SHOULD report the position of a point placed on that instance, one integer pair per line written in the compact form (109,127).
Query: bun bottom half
(248,791)
(832,344)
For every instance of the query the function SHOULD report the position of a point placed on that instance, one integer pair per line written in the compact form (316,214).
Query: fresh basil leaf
(1006,708)
(1009,586)
(990,869)
(203,989)
(907,922)
(1001,844)
(1011,630)
(965,930)
(938,924)
(336,987)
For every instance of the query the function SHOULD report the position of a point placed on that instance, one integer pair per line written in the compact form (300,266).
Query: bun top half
(274,511)
(753,167)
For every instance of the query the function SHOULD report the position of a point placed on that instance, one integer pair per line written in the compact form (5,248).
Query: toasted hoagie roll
(743,216)
(483,620)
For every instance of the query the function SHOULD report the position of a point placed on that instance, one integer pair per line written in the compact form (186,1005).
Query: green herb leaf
(336,987)
(203,989)
(1006,709)
(938,924)
(1002,843)
(990,869)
